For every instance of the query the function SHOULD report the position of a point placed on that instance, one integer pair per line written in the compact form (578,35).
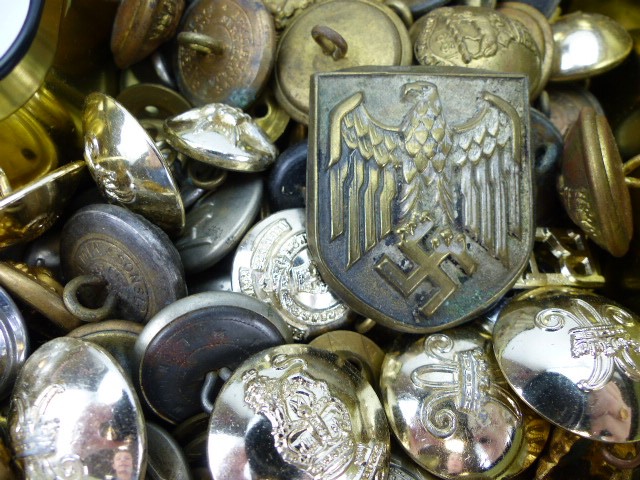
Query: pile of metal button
(320,239)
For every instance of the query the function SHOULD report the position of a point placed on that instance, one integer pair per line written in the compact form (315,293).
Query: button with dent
(297,412)
(452,411)
(333,35)
(574,358)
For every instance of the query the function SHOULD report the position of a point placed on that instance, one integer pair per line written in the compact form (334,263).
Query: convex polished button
(297,412)
(14,343)
(574,357)
(225,52)
(333,35)
(452,411)
(73,412)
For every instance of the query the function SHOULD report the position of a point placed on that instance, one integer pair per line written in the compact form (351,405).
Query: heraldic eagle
(464,178)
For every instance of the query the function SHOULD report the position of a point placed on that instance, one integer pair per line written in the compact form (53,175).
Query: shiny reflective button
(127,166)
(75,415)
(136,260)
(452,411)
(273,264)
(225,52)
(298,412)
(222,136)
(14,343)
(194,336)
(574,357)
(217,222)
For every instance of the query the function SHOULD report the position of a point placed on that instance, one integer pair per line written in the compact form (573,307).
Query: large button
(574,357)
(331,36)
(297,412)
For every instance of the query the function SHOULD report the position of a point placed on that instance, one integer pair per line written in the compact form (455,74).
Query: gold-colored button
(476,37)
(225,53)
(331,36)
(141,26)
(283,11)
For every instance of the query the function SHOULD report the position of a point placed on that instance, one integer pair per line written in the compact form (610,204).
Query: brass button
(331,36)
(225,53)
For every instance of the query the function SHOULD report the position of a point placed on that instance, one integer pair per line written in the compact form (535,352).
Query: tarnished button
(117,337)
(136,259)
(592,185)
(273,264)
(222,136)
(216,279)
(565,105)
(74,413)
(140,27)
(126,164)
(225,53)
(286,185)
(325,37)
(14,343)
(29,211)
(284,11)
(298,412)
(586,380)
(476,37)
(274,120)
(194,336)
(192,434)
(587,44)
(419,191)
(165,458)
(452,411)
(217,222)
(152,101)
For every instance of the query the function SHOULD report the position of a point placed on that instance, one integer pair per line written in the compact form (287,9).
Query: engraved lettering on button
(598,334)
(311,428)
(427,188)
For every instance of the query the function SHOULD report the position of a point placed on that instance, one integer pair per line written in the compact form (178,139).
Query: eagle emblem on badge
(426,203)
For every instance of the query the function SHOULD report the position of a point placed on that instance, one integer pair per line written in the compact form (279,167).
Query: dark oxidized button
(197,335)
(165,458)
(286,185)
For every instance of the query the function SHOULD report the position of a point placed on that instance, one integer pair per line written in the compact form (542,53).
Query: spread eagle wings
(464,178)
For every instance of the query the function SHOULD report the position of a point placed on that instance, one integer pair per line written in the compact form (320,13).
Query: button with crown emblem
(73,410)
(298,412)
(574,357)
(452,411)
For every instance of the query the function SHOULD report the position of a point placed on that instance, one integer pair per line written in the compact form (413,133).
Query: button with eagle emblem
(419,191)
(294,411)
(452,410)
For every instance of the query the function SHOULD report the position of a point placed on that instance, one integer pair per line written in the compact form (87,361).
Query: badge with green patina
(419,191)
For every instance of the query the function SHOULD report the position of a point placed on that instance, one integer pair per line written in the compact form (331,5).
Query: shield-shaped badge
(419,191)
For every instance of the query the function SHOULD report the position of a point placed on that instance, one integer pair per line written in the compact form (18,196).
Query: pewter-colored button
(194,336)
(14,342)
(217,222)
(574,357)
(166,460)
(74,413)
(297,412)
(273,264)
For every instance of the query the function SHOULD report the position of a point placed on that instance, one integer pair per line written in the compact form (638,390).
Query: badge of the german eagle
(419,191)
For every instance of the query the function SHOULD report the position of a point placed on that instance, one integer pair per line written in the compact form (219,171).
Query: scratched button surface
(197,335)
(574,357)
(217,222)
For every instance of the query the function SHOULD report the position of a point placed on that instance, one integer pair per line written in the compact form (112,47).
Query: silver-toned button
(452,411)
(14,342)
(273,264)
(217,222)
(298,412)
(574,357)
(73,411)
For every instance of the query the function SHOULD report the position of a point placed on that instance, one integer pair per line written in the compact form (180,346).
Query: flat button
(197,335)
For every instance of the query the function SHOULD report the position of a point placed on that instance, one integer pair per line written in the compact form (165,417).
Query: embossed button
(217,222)
(586,381)
(273,264)
(297,412)
(73,413)
(226,51)
(134,257)
(14,343)
(194,336)
(304,49)
(452,411)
